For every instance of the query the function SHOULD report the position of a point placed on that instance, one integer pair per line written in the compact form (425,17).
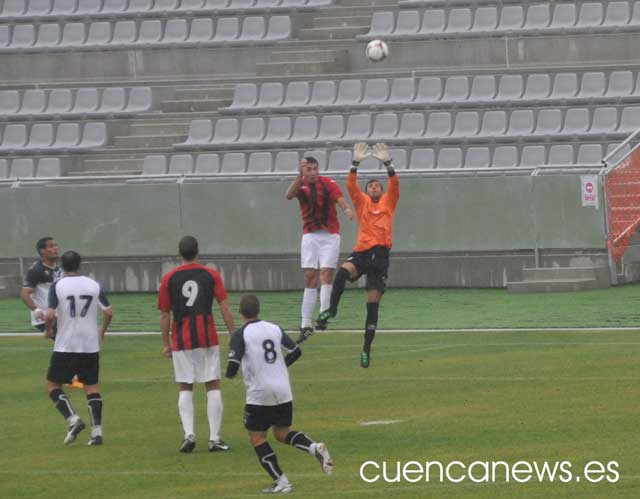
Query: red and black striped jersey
(318,205)
(188,292)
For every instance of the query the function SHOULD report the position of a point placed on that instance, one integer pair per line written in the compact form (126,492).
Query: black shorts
(41,328)
(262,417)
(65,365)
(374,263)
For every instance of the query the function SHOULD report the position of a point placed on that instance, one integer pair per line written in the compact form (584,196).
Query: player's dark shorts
(374,263)
(41,328)
(262,417)
(65,365)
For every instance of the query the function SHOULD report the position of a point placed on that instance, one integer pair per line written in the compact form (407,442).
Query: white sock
(185,408)
(308,305)
(312,448)
(73,419)
(214,413)
(325,297)
(96,431)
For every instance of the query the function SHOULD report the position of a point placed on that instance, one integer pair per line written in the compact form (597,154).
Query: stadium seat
(510,88)
(253,28)
(49,167)
(67,136)
(576,121)
(429,90)
(227,29)
(467,124)
(259,162)
(459,20)
(271,95)
(73,35)
(494,124)
(40,136)
(533,155)
(505,157)
(5,36)
(438,125)
(114,6)
(591,15)
(605,120)
(167,6)
(279,28)
(38,8)
(358,127)
(376,92)
(630,120)
(48,36)
(422,159)
(331,128)
(538,87)
(549,122)
(278,130)
(252,130)
(483,88)
(564,16)
(14,8)
(9,101)
(94,135)
(207,163)
(618,14)
(34,102)
(124,33)
(485,19)
(385,127)
(181,164)
(349,93)
(200,132)
(4,168)
(369,164)
(382,24)
(297,95)
(245,96)
(140,5)
(65,7)
(195,5)
(593,85)
(305,129)
(538,17)
(87,101)
(589,154)
(456,89)
(511,18)
(561,154)
(234,162)
(408,23)
(402,91)
(89,7)
(323,93)
(411,126)
(339,160)
(477,157)
(620,84)
(433,22)
(287,161)
(154,164)
(24,36)
(175,31)
(22,168)
(99,33)
(565,86)
(449,157)
(226,131)
(14,137)
(113,100)
(140,100)
(201,30)
(241,4)
(150,32)
(60,101)
(399,158)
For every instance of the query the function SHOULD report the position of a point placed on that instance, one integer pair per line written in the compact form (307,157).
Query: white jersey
(258,347)
(76,300)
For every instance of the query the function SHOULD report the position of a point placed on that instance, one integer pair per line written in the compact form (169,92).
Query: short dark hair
(42,243)
(371,181)
(188,248)
(71,261)
(249,306)
(311,159)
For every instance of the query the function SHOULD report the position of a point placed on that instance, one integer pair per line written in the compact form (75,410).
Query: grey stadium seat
(412,126)
(618,14)
(538,87)
(349,93)
(48,35)
(38,7)
(73,35)
(459,20)
(565,86)
(24,36)
(408,22)
(252,130)
(576,121)
(287,161)
(34,101)
(200,132)
(433,21)
(485,19)
(620,84)
(589,154)
(140,100)
(511,18)
(477,157)
(467,124)
(591,15)
(605,120)
(124,33)
(403,91)
(339,160)
(207,163)
(89,7)
(234,162)
(167,6)
(449,157)
(456,89)
(593,84)
(241,4)
(140,5)
(385,126)
(181,164)
(279,28)
(22,168)
(561,154)
(538,17)
(226,131)
(99,33)
(279,129)
(40,136)
(64,7)
(505,157)
(358,127)
(305,129)
(438,125)
(200,4)
(483,88)
(87,101)
(49,167)
(323,93)
(154,164)
(422,159)
(564,16)
(15,136)
(494,124)
(175,31)
(67,136)
(244,96)
(14,8)
(510,87)
(4,168)
(5,35)
(399,158)
(549,122)
(94,135)
(429,90)
(227,30)
(271,95)
(259,162)
(382,24)
(297,95)
(113,100)
(150,32)
(533,156)
(114,6)
(630,120)
(60,101)
(201,30)
(369,164)
(253,28)
(9,101)
(376,92)
(331,128)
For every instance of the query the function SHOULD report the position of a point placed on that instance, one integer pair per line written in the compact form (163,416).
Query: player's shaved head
(249,306)
(71,261)
(188,248)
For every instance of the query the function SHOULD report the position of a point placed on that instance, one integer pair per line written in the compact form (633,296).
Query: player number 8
(190,291)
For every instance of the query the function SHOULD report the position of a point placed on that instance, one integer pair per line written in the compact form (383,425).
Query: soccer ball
(377,50)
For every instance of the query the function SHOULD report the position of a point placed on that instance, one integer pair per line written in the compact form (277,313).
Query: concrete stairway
(10,286)
(557,279)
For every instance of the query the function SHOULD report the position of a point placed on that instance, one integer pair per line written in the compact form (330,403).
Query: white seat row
(67,103)
(339,160)
(45,137)
(30,167)
(42,10)
(145,33)
(534,18)
(535,88)
(436,126)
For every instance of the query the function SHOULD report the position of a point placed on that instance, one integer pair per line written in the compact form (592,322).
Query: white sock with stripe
(185,408)
(214,413)
(325,297)
(309,299)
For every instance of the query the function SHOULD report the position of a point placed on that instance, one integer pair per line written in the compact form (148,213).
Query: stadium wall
(466,231)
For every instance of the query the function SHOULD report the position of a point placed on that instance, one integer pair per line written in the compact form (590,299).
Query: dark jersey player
(185,300)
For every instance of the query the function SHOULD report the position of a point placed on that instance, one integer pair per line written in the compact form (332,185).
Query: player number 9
(190,292)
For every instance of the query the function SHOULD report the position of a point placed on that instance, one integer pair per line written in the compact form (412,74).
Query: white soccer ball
(377,50)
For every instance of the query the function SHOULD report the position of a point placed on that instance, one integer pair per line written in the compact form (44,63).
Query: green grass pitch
(451,396)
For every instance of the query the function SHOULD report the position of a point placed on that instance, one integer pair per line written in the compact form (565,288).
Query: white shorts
(196,366)
(320,250)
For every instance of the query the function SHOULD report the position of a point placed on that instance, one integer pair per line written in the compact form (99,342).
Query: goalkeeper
(370,257)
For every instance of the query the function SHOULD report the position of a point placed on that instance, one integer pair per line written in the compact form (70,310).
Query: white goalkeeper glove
(360,152)
(381,152)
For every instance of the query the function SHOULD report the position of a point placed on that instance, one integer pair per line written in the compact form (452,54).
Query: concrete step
(109,165)
(349,11)
(294,68)
(341,21)
(207,93)
(540,286)
(141,141)
(181,106)
(339,33)
(551,273)
(303,55)
(158,128)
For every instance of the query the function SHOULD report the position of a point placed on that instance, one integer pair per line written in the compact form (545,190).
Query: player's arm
(294,187)
(29,284)
(294,349)
(345,207)
(381,152)
(107,313)
(165,325)
(50,316)
(236,352)
(227,316)
(360,152)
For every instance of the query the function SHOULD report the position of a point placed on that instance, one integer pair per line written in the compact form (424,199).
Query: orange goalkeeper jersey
(375,220)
